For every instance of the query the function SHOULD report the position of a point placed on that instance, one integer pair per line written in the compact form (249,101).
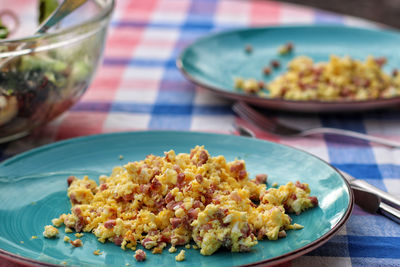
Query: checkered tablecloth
(138,87)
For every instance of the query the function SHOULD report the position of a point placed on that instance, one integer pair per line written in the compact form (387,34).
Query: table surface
(138,87)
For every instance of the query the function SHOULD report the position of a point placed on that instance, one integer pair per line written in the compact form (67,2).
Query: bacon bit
(237,166)
(155,184)
(261,233)
(76,243)
(79,224)
(196,204)
(246,231)
(73,199)
(219,214)
(180,178)
(199,178)
(140,255)
(235,196)
(70,179)
(275,64)
(77,211)
(289,47)
(167,157)
(110,224)
(177,168)
(144,188)
(293,196)
(242,174)
(118,240)
(261,178)
(103,187)
(179,241)
(165,238)
(203,157)
(282,234)
(380,61)
(267,71)
(300,185)
(171,205)
(261,84)
(207,226)
(193,213)
(175,222)
(314,200)
(156,171)
(128,197)
(169,197)
(395,72)
(248,48)
(253,205)
(345,92)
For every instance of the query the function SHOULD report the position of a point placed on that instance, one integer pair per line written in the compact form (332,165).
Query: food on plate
(339,79)
(285,49)
(76,243)
(50,231)
(180,256)
(176,198)
(140,255)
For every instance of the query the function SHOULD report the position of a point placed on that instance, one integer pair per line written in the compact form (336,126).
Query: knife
(372,203)
(360,184)
(355,183)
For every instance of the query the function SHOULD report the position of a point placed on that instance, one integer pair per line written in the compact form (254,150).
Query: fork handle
(362,136)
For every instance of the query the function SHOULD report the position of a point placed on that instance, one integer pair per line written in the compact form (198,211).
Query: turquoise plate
(214,61)
(33,191)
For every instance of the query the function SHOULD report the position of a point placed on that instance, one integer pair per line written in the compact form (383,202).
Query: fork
(274,127)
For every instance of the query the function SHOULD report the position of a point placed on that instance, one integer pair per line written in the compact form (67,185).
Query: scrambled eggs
(178,198)
(339,79)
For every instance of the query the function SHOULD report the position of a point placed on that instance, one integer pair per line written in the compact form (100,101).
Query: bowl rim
(104,13)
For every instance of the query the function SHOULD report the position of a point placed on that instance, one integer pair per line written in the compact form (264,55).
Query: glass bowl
(43,75)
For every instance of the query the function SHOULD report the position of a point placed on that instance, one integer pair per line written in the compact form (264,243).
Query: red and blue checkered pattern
(138,87)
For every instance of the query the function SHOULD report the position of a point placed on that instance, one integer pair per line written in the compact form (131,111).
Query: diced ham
(175,222)
(300,185)
(144,188)
(155,184)
(169,197)
(203,157)
(180,178)
(293,196)
(261,178)
(193,213)
(109,224)
(70,179)
(242,174)
(196,204)
(314,200)
(199,178)
(237,166)
(118,240)
(128,197)
(103,187)
(140,255)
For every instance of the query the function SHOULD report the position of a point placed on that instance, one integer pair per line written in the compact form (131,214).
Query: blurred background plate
(214,61)
(33,190)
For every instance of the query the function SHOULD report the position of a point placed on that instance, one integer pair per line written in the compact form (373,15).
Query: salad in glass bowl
(43,75)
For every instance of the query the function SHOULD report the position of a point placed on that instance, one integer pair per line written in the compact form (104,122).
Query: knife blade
(385,197)
(372,203)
